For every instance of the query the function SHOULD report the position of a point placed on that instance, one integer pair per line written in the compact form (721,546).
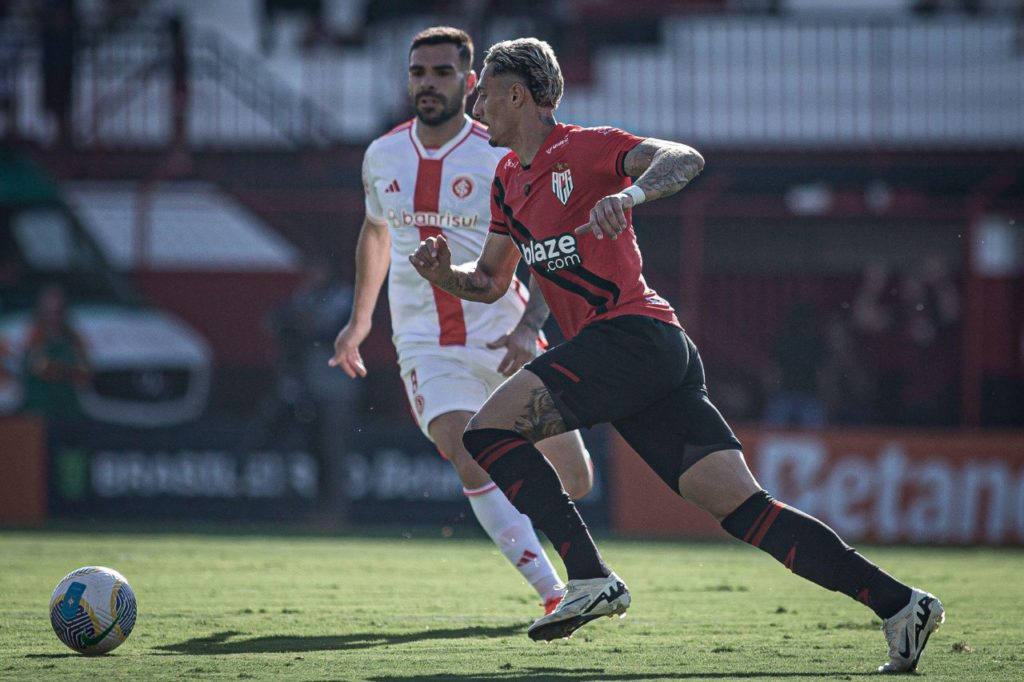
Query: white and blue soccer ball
(93,610)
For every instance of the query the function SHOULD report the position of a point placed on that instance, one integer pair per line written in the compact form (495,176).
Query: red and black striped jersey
(583,278)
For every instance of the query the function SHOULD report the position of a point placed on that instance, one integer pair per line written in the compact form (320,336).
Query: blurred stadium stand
(787,79)
(886,87)
(839,137)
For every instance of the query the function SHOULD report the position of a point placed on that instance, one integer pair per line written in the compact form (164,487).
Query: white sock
(514,535)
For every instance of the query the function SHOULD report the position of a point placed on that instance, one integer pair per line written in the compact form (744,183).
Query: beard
(449,108)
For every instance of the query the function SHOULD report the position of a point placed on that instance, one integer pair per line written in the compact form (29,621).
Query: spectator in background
(179,68)
(11,267)
(929,349)
(59,43)
(55,364)
(973,7)
(873,317)
(1018,40)
(798,354)
(8,370)
(906,322)
(312,11)
(305,326)
(847,388)
(9,47)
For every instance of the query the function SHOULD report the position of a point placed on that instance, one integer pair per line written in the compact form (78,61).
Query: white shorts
(449,379)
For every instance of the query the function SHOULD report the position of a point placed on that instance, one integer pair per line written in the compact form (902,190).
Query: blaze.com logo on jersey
(555,253)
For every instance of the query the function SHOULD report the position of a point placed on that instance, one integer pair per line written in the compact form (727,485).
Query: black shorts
(644,377)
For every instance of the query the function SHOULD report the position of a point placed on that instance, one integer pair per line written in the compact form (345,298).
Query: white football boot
(908,631)
(584,601)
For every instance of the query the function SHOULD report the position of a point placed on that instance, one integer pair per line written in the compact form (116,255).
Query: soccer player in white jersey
(432,176)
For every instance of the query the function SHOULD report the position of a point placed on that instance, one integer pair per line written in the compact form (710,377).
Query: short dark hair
(446,35)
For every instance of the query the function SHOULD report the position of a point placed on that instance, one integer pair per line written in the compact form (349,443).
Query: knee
(577,487)
(469,437)
(579,481)
(475,438)
(484,424)
(447,436)
(718,483)
(494,419)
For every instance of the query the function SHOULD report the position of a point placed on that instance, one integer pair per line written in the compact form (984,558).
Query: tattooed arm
(661,169)
(486,279)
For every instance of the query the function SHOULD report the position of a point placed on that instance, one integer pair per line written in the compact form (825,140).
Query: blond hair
(532,60)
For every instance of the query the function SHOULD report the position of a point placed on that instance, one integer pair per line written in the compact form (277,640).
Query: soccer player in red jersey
(562,200)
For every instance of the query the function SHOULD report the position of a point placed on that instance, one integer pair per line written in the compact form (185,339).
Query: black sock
(812,550)
(532,486)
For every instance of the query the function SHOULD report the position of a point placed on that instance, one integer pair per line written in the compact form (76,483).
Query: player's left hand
(521,347)
(608,217)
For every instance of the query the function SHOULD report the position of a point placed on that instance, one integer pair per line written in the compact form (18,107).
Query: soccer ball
(92,610)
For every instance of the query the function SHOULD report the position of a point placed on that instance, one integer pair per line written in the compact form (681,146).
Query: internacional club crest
(462,186)
(561,182)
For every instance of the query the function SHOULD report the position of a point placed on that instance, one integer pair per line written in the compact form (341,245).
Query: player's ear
(517,93)
(471,81)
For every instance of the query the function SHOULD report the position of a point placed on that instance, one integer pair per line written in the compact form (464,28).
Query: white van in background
(149,367)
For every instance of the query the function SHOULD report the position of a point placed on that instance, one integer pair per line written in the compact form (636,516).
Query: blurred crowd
(890,357)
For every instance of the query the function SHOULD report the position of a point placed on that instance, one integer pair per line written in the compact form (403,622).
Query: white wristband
(635,193)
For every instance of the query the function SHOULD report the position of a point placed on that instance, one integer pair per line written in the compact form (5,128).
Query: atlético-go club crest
(561,182)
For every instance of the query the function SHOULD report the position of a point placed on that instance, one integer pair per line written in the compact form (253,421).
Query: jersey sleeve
(374,210)
(499,222)
(608,148)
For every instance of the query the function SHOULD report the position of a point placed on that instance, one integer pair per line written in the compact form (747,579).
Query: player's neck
(531,137)
(439,135)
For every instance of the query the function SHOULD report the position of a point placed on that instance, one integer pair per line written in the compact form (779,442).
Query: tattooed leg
(540,419)
(500,437)
(523,405)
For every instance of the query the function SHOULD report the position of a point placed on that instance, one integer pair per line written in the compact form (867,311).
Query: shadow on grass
(580,674)
(222,643)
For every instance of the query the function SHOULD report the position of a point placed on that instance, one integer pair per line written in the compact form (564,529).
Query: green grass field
(228,607)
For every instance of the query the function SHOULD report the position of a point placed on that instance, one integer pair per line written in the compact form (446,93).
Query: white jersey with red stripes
(420,192)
